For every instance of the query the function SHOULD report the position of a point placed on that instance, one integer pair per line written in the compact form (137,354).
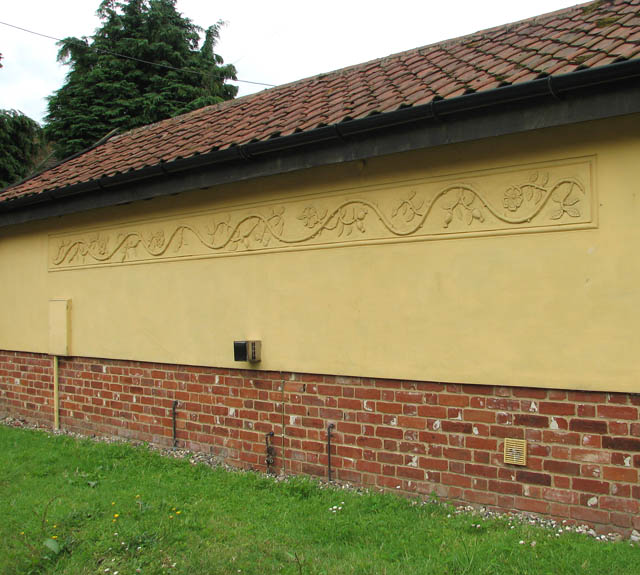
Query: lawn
(77,506)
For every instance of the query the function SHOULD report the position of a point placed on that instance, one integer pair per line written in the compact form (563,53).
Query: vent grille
(515,451)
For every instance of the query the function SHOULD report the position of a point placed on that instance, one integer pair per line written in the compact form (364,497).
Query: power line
(103,51)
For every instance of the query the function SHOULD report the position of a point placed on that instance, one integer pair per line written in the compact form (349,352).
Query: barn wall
(509,262)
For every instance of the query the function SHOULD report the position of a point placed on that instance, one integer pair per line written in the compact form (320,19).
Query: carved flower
(156,241)
(310,217)
(512,198)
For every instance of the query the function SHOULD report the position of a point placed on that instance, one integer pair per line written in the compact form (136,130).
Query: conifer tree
(21,146)
(164,73)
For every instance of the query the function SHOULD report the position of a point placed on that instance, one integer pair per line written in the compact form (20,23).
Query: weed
(593,7)
(604,22)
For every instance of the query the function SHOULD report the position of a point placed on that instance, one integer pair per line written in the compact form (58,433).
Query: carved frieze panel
(545,197)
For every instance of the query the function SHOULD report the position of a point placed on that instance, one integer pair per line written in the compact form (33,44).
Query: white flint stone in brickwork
(436,425)
(554,424)
(627,461)
(414,461)
(593,501)
(533,407)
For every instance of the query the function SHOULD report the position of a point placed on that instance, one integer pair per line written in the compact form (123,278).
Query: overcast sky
(271,41)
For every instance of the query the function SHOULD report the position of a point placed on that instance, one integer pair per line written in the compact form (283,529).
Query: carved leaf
(469,217)
(533,176)
(538,194)
(556,214)
(573,212)
(545,179)
(458,212)
(571,201)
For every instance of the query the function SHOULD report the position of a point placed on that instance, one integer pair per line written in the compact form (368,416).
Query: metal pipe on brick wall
(329,429)
(56,395)
(173,417)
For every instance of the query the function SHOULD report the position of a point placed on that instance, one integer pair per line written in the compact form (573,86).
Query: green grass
(175,517)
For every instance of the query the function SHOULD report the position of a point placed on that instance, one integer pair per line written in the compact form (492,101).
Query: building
(437,252)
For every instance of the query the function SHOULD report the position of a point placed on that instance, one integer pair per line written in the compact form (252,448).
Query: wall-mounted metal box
(250,351)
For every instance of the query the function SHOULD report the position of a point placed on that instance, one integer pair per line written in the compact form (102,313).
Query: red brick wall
(414,437)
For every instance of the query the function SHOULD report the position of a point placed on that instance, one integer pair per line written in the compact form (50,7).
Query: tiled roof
(586,36)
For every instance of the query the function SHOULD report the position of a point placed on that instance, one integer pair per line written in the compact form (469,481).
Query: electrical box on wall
(250,350)
(60,326)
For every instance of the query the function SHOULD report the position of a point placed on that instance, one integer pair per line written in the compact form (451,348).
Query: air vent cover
(515,451)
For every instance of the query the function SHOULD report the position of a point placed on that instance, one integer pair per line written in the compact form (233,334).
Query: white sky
(272,41)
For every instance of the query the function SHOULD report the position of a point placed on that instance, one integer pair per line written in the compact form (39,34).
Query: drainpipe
(56,396)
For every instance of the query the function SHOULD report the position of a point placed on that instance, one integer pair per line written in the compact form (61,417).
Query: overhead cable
(159,65)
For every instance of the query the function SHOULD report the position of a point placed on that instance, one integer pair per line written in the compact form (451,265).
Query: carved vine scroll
(558,196)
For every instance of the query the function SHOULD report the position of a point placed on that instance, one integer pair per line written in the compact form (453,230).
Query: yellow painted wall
(357,270)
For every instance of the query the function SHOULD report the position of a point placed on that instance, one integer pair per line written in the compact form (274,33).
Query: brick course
(410,436)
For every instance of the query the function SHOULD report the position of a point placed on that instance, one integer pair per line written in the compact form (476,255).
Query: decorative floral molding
(558,196)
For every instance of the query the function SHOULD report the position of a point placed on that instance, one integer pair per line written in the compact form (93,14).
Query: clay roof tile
(593,34)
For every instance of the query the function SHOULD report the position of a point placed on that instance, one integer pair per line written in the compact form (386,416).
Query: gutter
(547,89)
